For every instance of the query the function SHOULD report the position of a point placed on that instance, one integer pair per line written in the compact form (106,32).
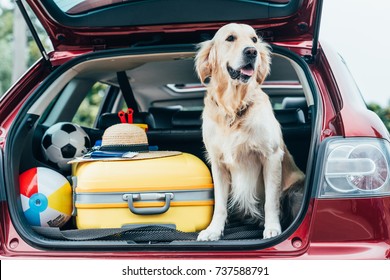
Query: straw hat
(126,137)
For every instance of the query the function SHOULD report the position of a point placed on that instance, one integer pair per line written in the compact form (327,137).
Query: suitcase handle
(131,197)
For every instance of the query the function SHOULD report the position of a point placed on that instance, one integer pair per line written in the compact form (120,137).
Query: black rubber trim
(127,91)
(23,125)
(317,24)
(2,184)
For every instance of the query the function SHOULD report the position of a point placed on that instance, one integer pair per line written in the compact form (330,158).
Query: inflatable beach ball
(46,197)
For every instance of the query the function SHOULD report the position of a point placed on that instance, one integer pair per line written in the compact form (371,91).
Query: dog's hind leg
(221,178)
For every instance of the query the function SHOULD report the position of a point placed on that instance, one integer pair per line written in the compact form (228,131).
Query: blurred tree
(11,48)
(88,110)
(7,47)
(6,37)
(19,46)
(383,113)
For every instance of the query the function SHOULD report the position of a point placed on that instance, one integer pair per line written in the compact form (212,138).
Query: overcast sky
(359,31)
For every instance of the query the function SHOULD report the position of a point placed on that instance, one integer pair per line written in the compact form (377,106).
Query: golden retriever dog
(250,163)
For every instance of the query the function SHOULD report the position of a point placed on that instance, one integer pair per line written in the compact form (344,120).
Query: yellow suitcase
(174,190)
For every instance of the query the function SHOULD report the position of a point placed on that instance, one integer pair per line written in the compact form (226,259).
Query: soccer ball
(63,142)
(46,197)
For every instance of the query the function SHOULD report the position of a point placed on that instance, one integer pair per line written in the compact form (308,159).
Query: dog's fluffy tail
(291,202)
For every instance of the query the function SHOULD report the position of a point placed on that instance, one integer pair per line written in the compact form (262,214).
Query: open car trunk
(169,97)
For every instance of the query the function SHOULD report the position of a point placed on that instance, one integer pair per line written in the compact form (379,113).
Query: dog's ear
(263,69)
(204,60)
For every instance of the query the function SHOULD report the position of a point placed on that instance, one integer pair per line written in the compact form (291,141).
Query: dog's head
(235,52)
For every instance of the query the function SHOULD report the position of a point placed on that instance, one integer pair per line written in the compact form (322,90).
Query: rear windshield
(82,6)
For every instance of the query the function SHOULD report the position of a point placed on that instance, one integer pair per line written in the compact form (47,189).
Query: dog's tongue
(247,72)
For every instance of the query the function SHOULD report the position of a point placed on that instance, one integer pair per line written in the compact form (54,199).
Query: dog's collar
(242,111)
(239,113)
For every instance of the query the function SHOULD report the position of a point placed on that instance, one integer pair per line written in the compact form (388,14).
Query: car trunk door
(101,24)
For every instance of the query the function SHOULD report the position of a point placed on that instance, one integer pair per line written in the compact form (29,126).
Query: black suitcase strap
(147,233)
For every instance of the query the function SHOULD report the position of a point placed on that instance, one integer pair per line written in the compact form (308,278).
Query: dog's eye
(254,39)
(230,38)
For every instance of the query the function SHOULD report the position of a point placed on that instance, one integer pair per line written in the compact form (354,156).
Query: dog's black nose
(250,52)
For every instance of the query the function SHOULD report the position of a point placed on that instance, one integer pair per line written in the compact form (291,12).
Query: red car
(110,55)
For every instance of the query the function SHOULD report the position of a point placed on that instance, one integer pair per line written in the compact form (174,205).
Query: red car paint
(350,228)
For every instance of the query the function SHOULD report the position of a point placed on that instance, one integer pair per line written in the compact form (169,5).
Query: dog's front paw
(210,234)
(272,231)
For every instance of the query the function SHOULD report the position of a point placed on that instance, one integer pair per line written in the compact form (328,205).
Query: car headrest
(108,119)
(289,116)
(294,102)
(187,119)
(163,116)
